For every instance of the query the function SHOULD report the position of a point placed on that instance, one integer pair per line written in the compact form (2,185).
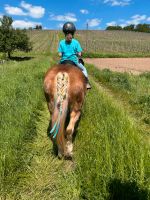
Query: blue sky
(97,13)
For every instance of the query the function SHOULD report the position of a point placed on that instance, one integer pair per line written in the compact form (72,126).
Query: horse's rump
(65,88)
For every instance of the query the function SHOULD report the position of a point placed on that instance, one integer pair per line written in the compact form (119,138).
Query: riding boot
(88,85)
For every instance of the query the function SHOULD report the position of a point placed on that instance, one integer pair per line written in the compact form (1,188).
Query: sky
(98,14)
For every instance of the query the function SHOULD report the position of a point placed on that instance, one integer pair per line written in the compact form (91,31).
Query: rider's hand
(79,54)
(60,54)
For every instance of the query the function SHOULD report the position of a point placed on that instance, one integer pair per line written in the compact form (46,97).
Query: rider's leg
(85,74)
(83,69)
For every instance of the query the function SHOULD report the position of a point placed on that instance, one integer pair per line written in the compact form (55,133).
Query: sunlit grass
(109,154)
(109,150)
(108,147)
(134,89)
(21,95)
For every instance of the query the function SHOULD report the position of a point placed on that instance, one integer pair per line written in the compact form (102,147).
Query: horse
(65,90)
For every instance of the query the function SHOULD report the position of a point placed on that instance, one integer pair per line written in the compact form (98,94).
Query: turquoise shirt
(69,50)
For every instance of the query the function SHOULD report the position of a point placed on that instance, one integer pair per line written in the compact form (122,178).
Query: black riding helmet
(69,27)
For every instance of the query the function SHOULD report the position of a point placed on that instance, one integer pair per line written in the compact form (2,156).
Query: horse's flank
(65,89)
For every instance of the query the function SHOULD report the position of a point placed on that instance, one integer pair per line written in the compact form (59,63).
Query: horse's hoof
(60,156)
(68,157)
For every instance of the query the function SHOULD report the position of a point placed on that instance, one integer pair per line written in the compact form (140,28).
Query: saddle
(68,62)
(72,63)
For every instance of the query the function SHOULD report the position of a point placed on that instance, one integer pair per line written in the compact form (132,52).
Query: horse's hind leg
(74,117)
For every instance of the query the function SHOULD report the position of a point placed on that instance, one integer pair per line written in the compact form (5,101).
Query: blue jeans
(83,69)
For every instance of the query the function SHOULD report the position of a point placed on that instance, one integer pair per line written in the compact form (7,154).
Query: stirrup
(88,86)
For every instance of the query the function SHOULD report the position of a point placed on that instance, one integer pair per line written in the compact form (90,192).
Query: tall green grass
(107,54)
(110,158)
(21,96)
(135,89)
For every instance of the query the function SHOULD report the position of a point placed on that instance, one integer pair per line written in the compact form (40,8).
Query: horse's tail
(60,110)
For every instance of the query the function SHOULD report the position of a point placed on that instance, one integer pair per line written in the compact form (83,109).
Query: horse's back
(77,83)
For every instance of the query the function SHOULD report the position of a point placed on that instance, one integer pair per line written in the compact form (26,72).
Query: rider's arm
(60,50)
(79,50)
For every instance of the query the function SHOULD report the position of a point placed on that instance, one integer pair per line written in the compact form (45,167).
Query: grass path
(40,180)
(44,175)
(109,154)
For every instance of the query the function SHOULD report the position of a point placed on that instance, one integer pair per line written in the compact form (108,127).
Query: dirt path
(132,65)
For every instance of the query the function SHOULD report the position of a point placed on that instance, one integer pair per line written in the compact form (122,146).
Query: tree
(132,27)
(114,28)
(142,28)
(38,27)
(129,27)
(11,39)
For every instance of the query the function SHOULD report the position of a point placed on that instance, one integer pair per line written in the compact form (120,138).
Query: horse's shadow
(16,58)
(119,190)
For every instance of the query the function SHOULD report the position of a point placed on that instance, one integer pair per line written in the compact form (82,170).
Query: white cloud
(25,10)
(135,19)
(148,19)
(14,10)
(24,24)
(67,17)
(84,11)
(93,22)
(117,2)
(113,23)
(1,15)
(139,17)
(60,25)
(33,11)
(123,25)
(25,5)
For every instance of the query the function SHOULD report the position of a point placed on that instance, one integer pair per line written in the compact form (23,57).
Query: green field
(111,148)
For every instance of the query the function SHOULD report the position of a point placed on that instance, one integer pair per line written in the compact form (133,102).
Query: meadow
(111,155)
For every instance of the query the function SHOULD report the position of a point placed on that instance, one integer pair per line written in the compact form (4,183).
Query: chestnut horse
(65,89)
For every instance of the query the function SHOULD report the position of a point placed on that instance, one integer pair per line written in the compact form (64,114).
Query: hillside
(118,43)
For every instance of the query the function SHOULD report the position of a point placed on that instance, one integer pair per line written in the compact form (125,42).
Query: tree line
(132,27)
(37,27)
